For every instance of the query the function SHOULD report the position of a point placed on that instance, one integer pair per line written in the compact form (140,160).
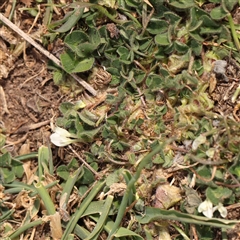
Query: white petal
(222,210)
(206,208)
(62,132)
(61,141)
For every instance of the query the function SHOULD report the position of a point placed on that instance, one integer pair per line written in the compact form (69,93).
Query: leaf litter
(167,112)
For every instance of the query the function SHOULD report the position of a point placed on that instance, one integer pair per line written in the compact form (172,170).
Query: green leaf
(63,172)
(196,47)
(73,64)
(182,4)
(18,170)
(122,51)
(5,160)
(8,175)
(73,39)
(85,203)
(112,178)
(181,47)
(71,20)
(217,195)
(58,77)
(87,176)
(230,4)
(85,49)
(94,36)
(88,117)
(157,26)
(121,232)
(172,18)
(88,135)
(162,39)
(156,214)
(154,81)
(218,13)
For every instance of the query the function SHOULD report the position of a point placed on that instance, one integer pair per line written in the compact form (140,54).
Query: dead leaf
(117,188)
(55,225)
(167,196)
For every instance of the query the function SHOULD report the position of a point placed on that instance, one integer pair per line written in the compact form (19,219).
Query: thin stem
(14,2)
(27,156)
(233,30)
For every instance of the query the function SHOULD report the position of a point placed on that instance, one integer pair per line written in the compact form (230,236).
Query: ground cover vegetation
(150,147)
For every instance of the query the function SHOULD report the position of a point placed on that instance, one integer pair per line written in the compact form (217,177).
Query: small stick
(46,53)
(32,77)
(84,162)
(22,139)
(33,126)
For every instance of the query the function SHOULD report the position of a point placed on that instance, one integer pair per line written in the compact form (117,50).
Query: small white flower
(206,208)
(62,137)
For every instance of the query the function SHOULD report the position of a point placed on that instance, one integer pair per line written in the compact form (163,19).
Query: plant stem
(27,156)
(233,30)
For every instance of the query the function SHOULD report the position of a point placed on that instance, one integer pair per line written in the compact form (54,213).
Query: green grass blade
(73,221)
(43,193)
(130,186)
(154,214)
(102,219)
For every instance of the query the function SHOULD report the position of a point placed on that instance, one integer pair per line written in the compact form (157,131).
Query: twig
(85,163)
(32,77)
(46,53)
(33,126)
(35,20)
(22,139)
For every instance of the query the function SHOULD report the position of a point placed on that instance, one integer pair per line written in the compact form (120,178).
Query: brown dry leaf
(23,200)
(55,225)
(167,196)
(117,188)
(27,2)
(212,83)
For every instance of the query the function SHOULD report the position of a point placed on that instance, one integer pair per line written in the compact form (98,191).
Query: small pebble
(219,66)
